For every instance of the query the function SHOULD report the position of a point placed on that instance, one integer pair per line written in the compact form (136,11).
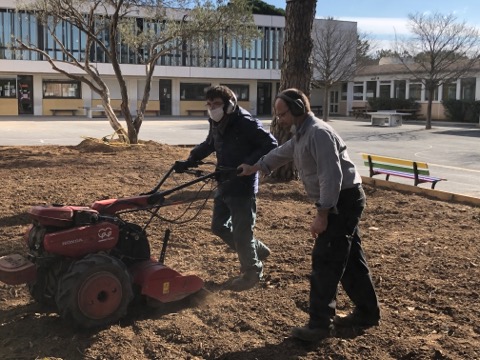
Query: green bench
(389,166)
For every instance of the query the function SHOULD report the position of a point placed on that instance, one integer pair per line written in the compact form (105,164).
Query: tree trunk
(137,123)
(326,107)
(132,128)
(113,120)
(131,135)
(428,124)
(296,68)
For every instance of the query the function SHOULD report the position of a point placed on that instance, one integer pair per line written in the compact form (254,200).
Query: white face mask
(216,114)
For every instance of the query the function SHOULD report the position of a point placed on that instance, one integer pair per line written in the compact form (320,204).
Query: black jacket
(237,139)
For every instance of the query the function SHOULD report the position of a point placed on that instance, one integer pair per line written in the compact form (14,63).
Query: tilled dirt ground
(424,255)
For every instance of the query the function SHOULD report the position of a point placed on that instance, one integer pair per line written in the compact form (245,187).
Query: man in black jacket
(236,138)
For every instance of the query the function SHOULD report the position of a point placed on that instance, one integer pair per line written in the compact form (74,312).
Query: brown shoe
(246,281)
(306,333)
(356,319)
(263,253)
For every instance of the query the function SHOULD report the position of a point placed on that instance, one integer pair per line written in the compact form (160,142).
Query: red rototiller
(90,263)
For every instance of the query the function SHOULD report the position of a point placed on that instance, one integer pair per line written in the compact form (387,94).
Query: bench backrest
(395,164)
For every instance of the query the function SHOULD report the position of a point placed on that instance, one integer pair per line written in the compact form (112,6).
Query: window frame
(435,94)
(237,89)
(415,84)
(357,85)
(385,89)
(400,89)
(344,92)
(449,89)
(371,89)
(12,83)
(78,87)
(468,87)
(198,89)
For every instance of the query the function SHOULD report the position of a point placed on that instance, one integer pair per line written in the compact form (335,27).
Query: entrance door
(165,97)
(25,94)
(333,102)
(264,99)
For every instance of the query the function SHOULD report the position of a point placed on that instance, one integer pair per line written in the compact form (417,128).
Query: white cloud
(380,32)
(380,27)
(377,45)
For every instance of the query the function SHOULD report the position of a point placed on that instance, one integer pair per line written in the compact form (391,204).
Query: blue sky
(381,19)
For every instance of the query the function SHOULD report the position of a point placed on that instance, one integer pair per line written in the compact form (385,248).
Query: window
(8,88)
(449,91)
(371,89)
(344,91)
(263,53)
(385,89)
(193,91)
(241,91)
(435,94)
(62,89)
(467,88)
(358,91)
(400,88)
(415,90)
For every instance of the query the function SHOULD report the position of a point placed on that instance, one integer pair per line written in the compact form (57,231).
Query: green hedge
(392,104)
(461,110)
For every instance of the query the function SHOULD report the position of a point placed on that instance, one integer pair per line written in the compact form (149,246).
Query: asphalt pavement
(451,150)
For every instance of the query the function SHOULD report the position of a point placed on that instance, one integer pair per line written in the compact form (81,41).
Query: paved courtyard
(451,150)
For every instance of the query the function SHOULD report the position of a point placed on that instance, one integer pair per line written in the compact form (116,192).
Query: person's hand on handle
(245,169)
(181,166)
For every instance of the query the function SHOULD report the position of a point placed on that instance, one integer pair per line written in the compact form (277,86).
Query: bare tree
(148,28)
(335,45)
(440,51)
(296,68)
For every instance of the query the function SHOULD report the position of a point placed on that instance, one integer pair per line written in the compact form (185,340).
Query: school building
(29,86)
(389,79)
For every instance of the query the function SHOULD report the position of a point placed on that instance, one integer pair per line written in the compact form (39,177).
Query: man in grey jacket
(332,182)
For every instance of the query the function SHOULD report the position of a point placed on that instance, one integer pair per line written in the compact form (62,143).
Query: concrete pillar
(176,96)
(37,95)
(253,97)
(132,87)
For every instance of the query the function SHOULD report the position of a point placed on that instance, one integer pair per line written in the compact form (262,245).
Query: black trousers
(338,257)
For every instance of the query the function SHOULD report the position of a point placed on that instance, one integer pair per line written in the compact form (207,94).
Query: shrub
(392,104)
(473,112)
(461,110)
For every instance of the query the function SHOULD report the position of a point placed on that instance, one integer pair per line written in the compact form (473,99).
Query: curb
(436,194)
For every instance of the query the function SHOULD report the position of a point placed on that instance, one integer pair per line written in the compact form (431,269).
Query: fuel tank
(61,216)
(79,241)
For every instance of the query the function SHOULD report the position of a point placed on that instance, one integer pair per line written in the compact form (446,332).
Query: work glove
(226,173)
(181,166)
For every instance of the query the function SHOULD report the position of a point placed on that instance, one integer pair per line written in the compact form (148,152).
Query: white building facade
(29,86)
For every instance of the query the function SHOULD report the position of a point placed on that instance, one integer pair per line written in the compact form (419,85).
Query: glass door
(333,102)
(264,99)
(165,97)
(25,94)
